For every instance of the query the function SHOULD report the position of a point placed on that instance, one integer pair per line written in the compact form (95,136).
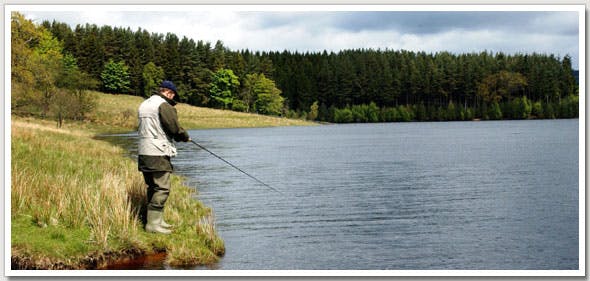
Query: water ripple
(453,195)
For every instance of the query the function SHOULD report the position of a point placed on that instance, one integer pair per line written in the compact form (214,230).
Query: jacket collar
(171,102)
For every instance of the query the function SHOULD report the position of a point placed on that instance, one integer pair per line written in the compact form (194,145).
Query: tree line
(398,85)
(350,86)
(134,62)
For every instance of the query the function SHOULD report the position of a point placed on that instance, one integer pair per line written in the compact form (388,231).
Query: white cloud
(548,33)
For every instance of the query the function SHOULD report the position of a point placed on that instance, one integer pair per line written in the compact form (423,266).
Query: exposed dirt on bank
(149,261)
(127,259)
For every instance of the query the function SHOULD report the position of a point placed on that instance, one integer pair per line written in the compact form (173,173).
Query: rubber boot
(165,224)
(154,219)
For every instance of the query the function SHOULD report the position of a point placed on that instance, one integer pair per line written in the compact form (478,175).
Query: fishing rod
(234,166)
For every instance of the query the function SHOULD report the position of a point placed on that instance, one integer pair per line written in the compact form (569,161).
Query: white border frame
(299,8)
(580,8)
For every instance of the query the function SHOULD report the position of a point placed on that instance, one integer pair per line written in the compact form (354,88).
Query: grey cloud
(266,20)
(404,22)
(435,22)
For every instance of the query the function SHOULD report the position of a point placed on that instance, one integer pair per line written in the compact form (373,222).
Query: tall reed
(67,179)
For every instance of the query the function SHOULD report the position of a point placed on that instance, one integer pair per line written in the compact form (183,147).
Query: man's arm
(169,120)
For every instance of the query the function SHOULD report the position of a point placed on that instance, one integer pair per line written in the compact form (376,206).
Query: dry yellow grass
(120,113)
(204,118)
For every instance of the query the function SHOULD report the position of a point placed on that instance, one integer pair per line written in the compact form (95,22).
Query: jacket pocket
(165,147)
(161,145)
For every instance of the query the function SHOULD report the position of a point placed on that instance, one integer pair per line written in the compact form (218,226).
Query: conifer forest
(360,85)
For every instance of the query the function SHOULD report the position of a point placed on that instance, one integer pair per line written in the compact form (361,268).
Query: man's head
(168,89)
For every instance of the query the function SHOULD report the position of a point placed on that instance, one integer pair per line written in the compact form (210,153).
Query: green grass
(58,242)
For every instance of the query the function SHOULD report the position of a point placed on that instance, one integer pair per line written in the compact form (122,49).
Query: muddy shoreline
(121,260)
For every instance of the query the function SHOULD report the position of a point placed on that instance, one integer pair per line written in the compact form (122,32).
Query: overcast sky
(549,32)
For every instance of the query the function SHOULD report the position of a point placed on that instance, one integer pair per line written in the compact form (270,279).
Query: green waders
(157,195)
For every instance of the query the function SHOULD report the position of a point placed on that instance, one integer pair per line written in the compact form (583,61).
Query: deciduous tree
(223,87)
(115,77)
(268,97)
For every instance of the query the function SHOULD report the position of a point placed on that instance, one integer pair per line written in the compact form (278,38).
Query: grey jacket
(158,129)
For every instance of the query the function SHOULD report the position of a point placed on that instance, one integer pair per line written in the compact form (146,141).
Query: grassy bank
(118,113)
(76,201)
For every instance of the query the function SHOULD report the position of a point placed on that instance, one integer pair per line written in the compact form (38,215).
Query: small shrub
(343,115)
(537,110)
(240,106)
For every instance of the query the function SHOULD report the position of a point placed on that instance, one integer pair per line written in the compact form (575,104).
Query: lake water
(398,196)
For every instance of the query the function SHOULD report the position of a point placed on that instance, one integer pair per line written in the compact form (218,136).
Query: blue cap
(168,85)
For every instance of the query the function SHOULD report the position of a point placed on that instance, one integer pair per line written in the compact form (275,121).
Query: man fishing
(158,129)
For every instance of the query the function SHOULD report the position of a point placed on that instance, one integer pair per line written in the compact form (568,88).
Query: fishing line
(234,166)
